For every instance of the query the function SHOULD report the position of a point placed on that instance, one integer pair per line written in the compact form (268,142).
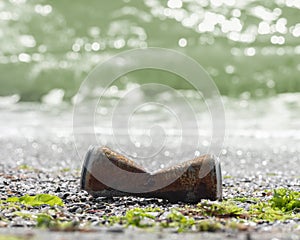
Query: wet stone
(116,229)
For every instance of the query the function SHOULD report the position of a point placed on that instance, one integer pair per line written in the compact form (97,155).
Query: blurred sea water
(248,47)
(260,134)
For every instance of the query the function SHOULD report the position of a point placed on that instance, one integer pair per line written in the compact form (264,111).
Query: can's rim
(219,177)
(85,167)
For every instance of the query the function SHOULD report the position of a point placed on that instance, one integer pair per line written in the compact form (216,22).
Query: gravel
(82,208)
(251,168)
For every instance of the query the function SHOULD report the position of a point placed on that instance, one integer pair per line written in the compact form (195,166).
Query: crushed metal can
(106,173)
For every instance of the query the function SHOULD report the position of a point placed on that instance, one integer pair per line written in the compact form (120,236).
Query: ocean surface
(259,135)
(248,47)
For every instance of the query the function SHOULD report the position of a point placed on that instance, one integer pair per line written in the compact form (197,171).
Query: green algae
(285,200)
(211,216)
(284,205)
(178,220)
(245,199)
(37,200)
(138,217)
(47,222)
(10,237)
(216,216)
(220,209)
(227,177)
(26,167)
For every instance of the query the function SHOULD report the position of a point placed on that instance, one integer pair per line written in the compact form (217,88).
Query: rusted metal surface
(194,180)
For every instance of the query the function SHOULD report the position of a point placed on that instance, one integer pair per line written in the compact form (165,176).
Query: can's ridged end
(219,194)
(85,168)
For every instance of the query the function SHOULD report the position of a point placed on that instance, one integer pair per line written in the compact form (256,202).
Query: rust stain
(190,186)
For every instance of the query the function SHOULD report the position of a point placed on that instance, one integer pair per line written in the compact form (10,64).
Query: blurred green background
(250,48)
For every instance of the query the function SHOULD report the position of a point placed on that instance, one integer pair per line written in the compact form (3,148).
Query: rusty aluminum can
(190,185)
